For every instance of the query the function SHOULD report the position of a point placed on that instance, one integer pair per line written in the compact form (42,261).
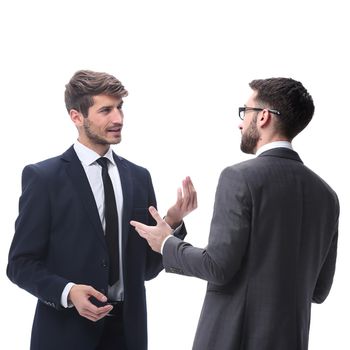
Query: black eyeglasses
(242,110)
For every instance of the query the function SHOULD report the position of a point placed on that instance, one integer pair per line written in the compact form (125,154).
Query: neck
(100,149)
(265,139)
(273,144)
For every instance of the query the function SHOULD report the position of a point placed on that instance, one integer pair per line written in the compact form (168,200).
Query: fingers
(142,228)
(139,227)
(193,193)
(186,189)
(144,234)
(94,313)
(179,195)
(155,214)
(185,196)
(80,296)
(99,296)
(190,194)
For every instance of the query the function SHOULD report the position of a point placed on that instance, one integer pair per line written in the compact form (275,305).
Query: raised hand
(185,203)
(155,235)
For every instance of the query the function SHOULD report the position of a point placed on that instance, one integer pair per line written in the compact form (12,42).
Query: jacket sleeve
(325,278)
(228,238)
(154,260)
(26,263)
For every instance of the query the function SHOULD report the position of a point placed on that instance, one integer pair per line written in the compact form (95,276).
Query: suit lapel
(81,184)
(128,190)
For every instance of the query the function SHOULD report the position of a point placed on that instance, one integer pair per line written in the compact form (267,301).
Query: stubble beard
(250,138)
(95,138)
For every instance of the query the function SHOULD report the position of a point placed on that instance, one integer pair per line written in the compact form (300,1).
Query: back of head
(290,98)
(85,84)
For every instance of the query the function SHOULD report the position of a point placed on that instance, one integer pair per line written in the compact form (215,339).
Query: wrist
(172,223)
(163,243)
(65,296)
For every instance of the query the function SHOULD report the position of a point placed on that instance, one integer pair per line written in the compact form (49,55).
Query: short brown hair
(85,84)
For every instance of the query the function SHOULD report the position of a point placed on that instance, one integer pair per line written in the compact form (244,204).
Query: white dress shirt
(93,172)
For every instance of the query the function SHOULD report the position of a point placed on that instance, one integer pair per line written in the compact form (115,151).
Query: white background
(186,64)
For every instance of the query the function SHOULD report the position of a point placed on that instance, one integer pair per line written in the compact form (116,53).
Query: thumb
(179,195)
(155,215)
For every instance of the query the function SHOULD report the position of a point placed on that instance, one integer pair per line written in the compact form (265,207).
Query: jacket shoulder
(130,165)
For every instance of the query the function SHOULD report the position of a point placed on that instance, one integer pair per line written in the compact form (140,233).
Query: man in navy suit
(273,238)
(59,252)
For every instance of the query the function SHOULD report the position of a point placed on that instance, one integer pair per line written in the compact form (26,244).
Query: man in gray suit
(273,236)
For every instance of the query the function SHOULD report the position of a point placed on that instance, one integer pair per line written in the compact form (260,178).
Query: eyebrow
(110,106)
(104,107)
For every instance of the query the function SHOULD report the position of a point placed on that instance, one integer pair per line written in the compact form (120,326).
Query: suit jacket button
(104,263)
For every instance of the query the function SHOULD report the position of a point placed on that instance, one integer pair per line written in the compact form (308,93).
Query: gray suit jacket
(271,252)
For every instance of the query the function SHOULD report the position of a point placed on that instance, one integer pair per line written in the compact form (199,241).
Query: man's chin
(114,141)
(108,142)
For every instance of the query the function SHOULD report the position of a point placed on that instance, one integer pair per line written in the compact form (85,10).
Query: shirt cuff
(64,295)
(174,231)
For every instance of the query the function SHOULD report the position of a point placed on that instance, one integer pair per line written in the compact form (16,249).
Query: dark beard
(250,138)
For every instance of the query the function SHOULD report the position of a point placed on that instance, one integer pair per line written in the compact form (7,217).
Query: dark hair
(290,98)
(85,84)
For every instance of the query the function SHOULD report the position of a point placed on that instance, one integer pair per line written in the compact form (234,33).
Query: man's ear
(264,118)
(76,117)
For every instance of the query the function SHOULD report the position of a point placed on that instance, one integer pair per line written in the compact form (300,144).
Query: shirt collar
(275,144)
(87,156)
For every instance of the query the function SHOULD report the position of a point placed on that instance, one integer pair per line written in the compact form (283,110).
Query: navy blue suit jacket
(59,239)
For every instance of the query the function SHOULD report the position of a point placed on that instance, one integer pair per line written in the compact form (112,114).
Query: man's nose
(117,115)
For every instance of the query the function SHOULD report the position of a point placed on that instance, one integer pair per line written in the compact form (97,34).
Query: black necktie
(111,218)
